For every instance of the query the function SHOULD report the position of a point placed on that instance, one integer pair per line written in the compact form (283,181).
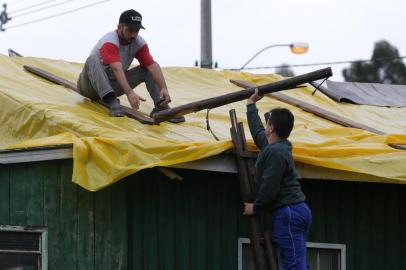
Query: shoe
(175,120)
(115,109)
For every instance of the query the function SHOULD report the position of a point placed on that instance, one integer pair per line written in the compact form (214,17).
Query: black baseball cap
(132,19)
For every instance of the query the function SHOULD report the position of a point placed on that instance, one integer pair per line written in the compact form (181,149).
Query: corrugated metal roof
(375,94)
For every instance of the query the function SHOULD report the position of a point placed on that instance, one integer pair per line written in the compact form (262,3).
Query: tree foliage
(386,67)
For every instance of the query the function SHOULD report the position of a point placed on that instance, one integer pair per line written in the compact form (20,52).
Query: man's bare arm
(158,77)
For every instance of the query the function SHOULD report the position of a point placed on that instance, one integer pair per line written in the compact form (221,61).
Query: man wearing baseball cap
(106,74)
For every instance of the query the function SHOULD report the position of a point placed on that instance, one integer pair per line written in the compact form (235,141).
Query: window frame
(318,245)
(42,231)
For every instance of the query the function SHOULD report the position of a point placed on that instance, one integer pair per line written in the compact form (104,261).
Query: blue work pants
(290,227)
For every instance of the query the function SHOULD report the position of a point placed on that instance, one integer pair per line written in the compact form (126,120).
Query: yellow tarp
(34,112)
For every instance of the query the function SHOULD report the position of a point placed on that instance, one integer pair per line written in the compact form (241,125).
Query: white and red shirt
(109,49)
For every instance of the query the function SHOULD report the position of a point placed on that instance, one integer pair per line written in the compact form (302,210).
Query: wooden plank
(68,219)
(311,108)
(136,203)
(228,227)
(347,226)
(52,192)
(317,111)
(166,224)
(240,95)
(103,221)
(392,229)
(129,112)
(150,225)
(332,207)
(18,196)
(86,233)
(318,207)
(214,190)
(198,221)
(5,194)
(35,191)
(182,231)
(402,236)
(377,254)
(119,226)
(363,229)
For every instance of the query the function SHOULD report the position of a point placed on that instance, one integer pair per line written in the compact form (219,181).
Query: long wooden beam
(241,95)
(71,85)
(317,111)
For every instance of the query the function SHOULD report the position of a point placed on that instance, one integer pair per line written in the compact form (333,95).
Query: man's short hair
(282,121)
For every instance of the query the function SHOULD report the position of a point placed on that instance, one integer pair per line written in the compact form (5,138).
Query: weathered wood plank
(4,194)
(214,256)
(119,226)
(362,228)
(68,84)
(317,111)
(35,191)
(392,228)
(18,195)
(240,95)
(198,221)
(103,221)
(136,200)
(166,225)
(52,193)
(86,233)
(228,228)
(68,219)
(182,230)
(347,227)
(377,255)
(150,225)
(332,207)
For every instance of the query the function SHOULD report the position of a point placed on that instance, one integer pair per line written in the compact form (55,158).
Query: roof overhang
(221,163)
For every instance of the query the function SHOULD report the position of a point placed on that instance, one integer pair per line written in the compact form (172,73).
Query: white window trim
(43,245)
(341,247)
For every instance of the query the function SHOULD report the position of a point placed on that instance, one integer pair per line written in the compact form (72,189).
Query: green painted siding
(83,231)
(150,222)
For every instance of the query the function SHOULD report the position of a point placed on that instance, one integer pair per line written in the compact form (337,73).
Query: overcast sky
(336,30)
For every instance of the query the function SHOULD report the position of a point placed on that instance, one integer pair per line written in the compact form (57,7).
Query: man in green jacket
(279,193)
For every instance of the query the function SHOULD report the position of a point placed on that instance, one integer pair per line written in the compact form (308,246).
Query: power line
(39,9)
(33,6)
(58,14)
(327,63)
(15,2)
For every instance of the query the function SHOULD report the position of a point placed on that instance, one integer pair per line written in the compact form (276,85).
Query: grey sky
(335,30)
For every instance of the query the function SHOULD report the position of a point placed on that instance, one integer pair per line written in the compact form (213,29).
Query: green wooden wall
(150,222)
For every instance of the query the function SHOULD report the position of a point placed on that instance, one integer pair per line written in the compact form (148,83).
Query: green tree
(386,67)
(285,71)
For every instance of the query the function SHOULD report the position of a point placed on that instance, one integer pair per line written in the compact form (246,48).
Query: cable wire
(15,2)
(58,14)
(39,9)
(33,6)
(327,63)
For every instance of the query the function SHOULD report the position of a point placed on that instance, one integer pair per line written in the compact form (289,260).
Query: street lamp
(297,48)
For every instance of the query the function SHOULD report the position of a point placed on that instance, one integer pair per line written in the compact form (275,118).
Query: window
(23,248)
(320,256)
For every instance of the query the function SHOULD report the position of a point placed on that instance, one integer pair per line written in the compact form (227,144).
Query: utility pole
(206,57)
(4,18)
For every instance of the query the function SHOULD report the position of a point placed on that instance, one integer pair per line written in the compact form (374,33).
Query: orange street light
(297,48)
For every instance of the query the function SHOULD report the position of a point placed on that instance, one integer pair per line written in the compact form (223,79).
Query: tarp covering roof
(376,94)
(35,112)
